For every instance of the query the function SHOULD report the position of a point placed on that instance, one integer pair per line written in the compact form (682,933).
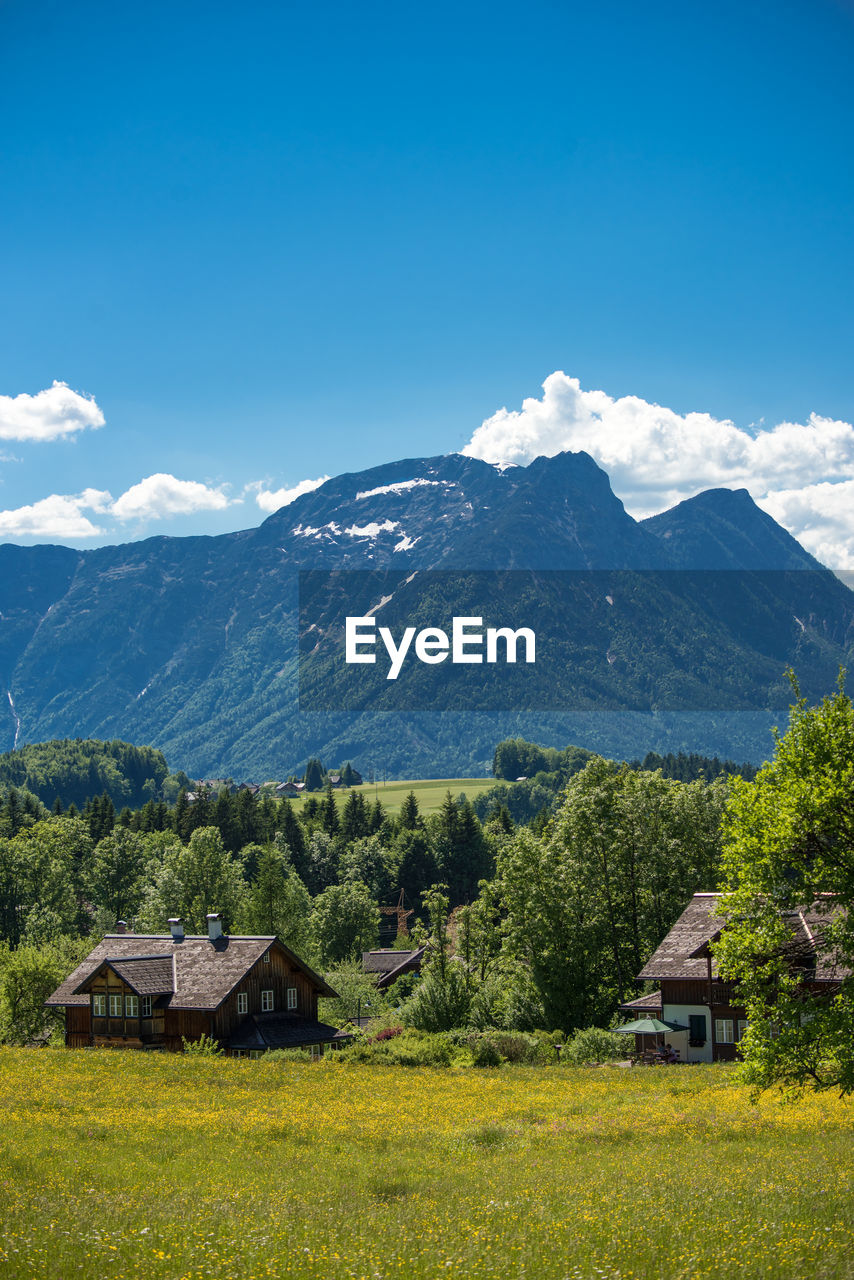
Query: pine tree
(329,813)
(313,775)
(409,818)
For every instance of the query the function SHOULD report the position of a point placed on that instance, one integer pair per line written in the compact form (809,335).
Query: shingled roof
(392,964)
(146,975)
(684,953)
(675,956)
(204,972)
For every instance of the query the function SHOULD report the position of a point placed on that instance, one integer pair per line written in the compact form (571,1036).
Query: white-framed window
(238,1053)
(266,957)
(742,1027)
(256,1053)
(131,1006)
(242,1002)
(115,1005)
(292,997)
(266,1001)
(99,1005)
(145,1006)
(724,1031)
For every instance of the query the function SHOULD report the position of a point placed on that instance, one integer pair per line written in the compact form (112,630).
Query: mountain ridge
(190,644)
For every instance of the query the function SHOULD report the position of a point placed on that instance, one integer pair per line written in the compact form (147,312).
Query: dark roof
(146,975)
(282,1031)
(384,961)
(205,972)
(643,1004)
(390,965)
(684,952)
(674,957)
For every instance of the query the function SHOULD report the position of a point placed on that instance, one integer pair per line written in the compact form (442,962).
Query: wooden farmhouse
(691,994)
(137,991)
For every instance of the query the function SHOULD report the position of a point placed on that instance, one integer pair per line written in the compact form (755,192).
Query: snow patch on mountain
(401,486)
(372,530)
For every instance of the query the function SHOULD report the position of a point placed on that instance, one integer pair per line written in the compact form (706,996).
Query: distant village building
(290,788)
(150,991)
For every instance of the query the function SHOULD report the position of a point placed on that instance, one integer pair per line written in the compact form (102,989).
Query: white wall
(680,1013)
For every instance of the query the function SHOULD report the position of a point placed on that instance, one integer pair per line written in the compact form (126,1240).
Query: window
(131,1006)
(116,1005)
(256,1053)
(724,1033)
(696,1029)
(99,1005)
(266,1001)
(266,957)
(145,1006)
(292,997)
(742,1027)
(238,1053)
(242,1002)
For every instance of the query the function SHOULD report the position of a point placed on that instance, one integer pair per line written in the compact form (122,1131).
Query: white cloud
(655,457)
(274,499)
(165,495)
(59,516)
(57,411)
(62,515)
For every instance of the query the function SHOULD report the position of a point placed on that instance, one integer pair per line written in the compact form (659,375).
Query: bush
(288,1055)
(439,1005)
(204,1047)
(485,1053)
(410,1048)
(593,1044)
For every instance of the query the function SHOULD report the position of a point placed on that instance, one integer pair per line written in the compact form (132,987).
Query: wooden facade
(155,992)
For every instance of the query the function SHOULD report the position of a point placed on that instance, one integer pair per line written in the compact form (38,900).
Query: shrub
(288,1055)
(593,1044)
(410,1048)
(439,1005)
(485,1053)
(204,1047)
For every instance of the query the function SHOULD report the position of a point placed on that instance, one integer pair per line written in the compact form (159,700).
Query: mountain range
(191,644)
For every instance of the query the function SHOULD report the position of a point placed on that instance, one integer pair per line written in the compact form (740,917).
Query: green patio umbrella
(648,1027)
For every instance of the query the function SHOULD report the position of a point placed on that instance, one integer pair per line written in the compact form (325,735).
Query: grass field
(429,794)
(118,1164)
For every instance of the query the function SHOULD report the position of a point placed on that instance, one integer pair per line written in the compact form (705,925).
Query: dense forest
(531,925)
(74,769)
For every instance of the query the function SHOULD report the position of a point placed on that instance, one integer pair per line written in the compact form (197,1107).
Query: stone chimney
(214,925)
(177,927)
(121,927)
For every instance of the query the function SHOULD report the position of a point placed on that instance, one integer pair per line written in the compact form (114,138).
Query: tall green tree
(278,902)
(314,775)
(346,921)
(789,845)
(193,881)
(589,901)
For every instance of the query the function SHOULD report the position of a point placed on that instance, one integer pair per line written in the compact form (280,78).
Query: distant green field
(429,794)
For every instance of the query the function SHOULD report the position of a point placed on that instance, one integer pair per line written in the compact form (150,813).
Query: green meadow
(125,1164)
(429,794)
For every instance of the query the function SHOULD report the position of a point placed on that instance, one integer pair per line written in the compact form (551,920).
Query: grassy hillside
(429,794)
(166,1167)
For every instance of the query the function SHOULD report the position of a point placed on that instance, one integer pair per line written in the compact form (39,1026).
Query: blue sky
(278,241)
